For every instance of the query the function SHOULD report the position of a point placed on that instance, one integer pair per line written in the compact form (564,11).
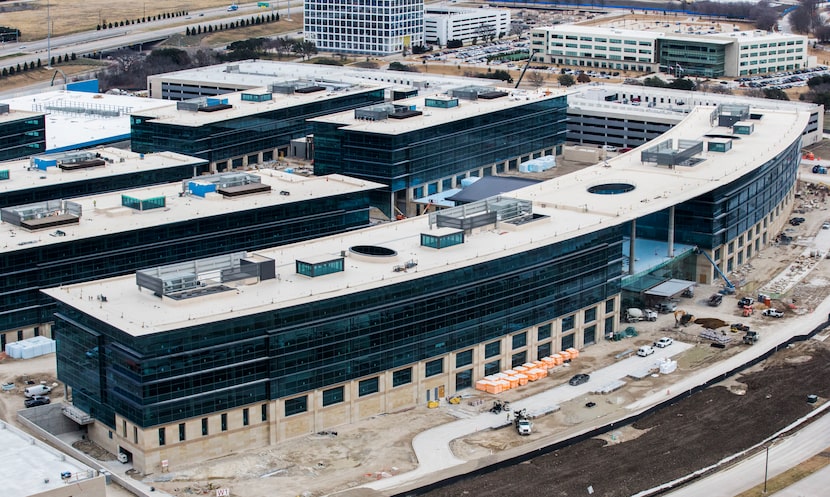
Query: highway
(94,41)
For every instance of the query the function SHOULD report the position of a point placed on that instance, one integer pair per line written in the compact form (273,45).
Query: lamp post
(48,36)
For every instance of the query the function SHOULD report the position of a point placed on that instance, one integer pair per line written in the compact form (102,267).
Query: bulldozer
(682,317)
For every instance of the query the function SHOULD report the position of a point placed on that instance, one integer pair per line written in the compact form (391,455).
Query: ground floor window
(333,396)
(464,379)
(401,377)
(296,405)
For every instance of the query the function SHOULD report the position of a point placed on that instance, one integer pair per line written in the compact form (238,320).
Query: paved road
(432,446)
(96,41)
(784,453)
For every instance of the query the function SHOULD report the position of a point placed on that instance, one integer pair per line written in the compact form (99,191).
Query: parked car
(797,221)
(663,342)
(825,225)
(579,379)
(645,350)
(609,148)
(775,313)
(746,301)
(37,400)
(715,300)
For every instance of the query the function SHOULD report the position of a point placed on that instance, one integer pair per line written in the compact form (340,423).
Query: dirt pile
(711,323)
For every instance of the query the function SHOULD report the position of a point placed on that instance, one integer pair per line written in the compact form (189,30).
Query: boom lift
(729,288)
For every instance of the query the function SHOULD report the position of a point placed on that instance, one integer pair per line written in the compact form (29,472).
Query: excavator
(682,317)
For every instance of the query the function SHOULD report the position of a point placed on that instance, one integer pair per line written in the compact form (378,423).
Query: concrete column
(671,232)
(632,241)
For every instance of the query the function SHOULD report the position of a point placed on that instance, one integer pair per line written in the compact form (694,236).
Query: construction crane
(729,288)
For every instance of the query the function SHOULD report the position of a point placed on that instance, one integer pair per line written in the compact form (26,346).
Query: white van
(36,390)
(645,350)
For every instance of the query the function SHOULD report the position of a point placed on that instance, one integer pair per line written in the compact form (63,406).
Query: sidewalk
(432,447)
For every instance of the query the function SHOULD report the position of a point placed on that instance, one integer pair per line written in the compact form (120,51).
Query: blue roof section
(490,186)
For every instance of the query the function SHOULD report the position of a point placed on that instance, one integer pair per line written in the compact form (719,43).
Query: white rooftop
(103,214)
(23,176)
(435,116)
(15,115)
(170,114)
(261,73)
(571,211)
(78,119)
(29,467)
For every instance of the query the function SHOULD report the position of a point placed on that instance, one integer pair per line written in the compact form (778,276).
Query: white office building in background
(443,23)
(372,27)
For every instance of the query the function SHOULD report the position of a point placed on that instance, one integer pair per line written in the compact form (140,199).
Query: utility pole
(48,37)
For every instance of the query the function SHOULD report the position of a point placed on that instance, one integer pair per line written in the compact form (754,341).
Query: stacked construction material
(715,336)
(527,372)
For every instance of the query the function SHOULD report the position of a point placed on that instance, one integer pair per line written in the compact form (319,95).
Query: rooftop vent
(205,276)
(203,104)
(42,215)
(142,204)
(228,184)
(665,153)
(67,160)
(291,87)
(4,109)
(441,103)
(729,114)
(476,92)
(382,111)
(483,213)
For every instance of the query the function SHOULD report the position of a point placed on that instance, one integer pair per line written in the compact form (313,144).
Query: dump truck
(522,423)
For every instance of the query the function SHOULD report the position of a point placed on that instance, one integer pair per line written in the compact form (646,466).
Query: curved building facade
(378,320)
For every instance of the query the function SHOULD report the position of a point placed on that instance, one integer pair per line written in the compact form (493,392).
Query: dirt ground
(691,434)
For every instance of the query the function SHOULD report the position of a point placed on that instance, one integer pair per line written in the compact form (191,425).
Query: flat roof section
(15,115)
(23,175)
(105,214)
(170,114)
(563,209)
(261,73)
(28,466)
(434,116)
(77,119)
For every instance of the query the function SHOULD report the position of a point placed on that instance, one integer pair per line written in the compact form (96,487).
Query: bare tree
(536,79)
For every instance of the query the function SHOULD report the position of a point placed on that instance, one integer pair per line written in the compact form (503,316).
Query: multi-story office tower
(89,172)
(245,128)
(192,361)
(734,54)
(21,133)
(443,23)
(364,26)
(61,241)
(423,145)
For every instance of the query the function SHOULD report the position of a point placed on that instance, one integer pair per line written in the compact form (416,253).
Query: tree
(536,78)
(566,80)
(583,78)
(305,48)
(682,84)
(397,66)
(775,94)
(655,82)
